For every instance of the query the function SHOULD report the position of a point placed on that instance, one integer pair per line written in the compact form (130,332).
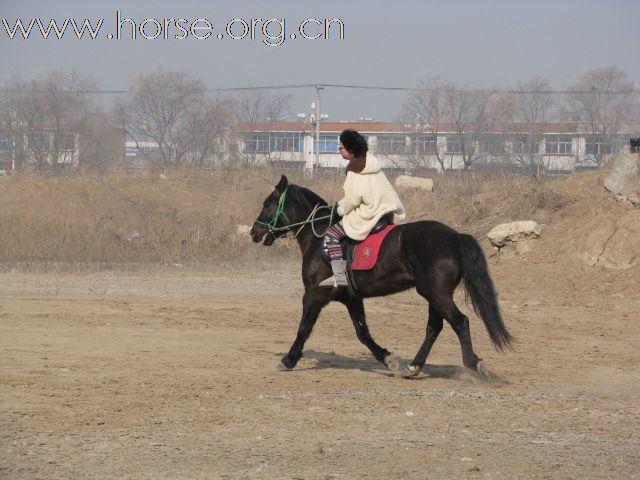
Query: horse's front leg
(355,306)
(312,304)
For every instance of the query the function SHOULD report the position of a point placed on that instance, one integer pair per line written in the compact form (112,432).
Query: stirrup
(335,281)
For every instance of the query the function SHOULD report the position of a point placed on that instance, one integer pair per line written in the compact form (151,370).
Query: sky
(474,43)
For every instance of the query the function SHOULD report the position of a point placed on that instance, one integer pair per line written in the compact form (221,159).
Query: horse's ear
(283,184)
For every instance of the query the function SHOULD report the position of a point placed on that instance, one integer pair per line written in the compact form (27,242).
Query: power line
(483,90)
(354,87)
(265,87)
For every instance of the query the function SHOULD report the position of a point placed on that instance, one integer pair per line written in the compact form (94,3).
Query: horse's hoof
(482,369)
(283,368)
(393,363)
(411,371)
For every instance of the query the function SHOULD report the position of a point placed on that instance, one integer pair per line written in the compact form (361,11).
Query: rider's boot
(339,278)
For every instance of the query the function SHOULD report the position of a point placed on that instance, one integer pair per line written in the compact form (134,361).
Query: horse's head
(273,218)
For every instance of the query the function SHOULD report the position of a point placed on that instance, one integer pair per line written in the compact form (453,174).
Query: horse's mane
(305,196)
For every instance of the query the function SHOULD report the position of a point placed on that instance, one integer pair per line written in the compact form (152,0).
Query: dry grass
(475,202)
(191,217)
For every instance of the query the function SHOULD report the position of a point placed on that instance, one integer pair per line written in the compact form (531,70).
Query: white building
(554,146)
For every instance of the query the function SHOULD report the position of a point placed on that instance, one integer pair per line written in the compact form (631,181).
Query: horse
(428,255)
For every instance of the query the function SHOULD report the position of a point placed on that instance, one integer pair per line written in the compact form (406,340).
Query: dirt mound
(599,228)
(185,217)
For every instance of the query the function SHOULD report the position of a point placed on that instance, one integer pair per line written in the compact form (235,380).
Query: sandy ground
(171,374)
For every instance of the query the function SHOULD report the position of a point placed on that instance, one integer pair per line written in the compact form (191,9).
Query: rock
(612,243)
(414,182)
(592,245)
(523,247)
(243,230)
(515,232)
(624,178)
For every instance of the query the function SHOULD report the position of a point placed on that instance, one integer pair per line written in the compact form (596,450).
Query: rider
(368,195)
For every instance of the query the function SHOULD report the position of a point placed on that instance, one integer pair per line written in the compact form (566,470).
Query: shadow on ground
(333,360)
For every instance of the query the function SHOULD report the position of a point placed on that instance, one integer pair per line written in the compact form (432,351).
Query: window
(130,150)
(5,145)
(558,144)
(392,144)
(454,145)
(38,141)
(597,146)
(257,143)
(525,145)
(491,144)
(427,143)
(285,141)
(148,148)
(265,142)
(328,143)
(66,142)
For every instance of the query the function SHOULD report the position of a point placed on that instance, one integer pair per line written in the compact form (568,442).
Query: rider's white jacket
(368,195)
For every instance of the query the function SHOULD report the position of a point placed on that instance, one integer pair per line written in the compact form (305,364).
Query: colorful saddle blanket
(366,252)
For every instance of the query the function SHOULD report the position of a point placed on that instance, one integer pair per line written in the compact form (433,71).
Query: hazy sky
(471,42)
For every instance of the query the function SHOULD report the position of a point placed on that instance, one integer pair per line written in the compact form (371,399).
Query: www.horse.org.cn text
(272,32)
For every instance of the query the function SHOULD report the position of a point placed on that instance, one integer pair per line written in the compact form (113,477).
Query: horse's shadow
(340,362)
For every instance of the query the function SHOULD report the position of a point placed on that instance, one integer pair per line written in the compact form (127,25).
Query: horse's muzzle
(259,232)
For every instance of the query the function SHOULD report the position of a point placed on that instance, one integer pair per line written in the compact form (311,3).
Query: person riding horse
(426,255)
(368,196)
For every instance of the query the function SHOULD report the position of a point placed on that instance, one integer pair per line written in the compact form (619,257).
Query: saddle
(363,259)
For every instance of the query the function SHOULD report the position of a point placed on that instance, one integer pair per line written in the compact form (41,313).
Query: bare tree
(42,117)
(425,107)
(205,131)
(256,112)
(525,111)
(470,113)
(601,101)
(172,111)
(439,107)
(259,106)
(101,143)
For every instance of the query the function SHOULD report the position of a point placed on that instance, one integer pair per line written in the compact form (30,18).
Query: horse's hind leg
(355,306)
(439,293)
(434,327)
(460,324)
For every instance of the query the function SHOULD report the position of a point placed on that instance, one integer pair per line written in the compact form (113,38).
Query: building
(6,155)
(45,147)
(549,147)
(554,147)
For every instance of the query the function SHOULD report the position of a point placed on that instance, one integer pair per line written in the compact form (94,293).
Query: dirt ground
(171,372)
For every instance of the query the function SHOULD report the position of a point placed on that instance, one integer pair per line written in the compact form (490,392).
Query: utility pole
(317,149)
(14,124)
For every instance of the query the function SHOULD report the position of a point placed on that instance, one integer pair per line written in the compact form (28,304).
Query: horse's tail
(479,286)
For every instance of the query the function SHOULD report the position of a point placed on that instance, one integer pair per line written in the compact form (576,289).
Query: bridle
(283,230)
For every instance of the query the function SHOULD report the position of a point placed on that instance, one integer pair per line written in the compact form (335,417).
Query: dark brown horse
(427,255)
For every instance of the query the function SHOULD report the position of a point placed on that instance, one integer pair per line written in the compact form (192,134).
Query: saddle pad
(366,253)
